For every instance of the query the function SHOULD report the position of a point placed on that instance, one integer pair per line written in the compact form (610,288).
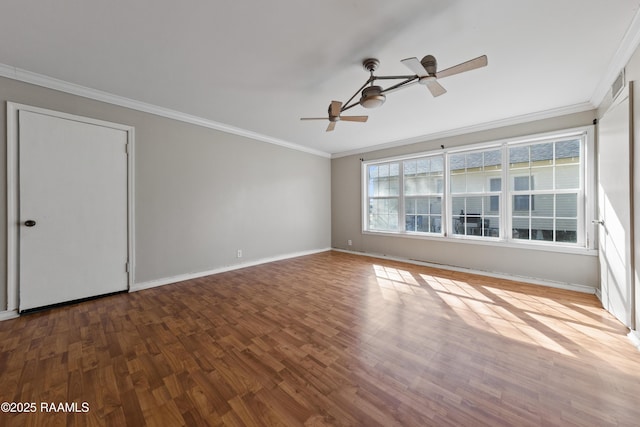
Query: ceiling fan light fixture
(372,97)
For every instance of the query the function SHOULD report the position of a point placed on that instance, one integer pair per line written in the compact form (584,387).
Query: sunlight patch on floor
(508,313)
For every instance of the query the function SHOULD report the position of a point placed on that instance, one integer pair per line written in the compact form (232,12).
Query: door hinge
(126,148)
(126,267)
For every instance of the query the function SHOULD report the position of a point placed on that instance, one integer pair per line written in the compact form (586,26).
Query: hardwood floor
(326,339)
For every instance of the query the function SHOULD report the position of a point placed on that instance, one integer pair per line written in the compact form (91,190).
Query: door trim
(13,196)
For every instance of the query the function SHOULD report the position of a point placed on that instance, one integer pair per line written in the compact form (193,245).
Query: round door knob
(29,223)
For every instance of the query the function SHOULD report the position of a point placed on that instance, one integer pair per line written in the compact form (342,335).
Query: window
(555,168)
(423,179)
(524,191)
(419,197)
(384,195)
(475,178)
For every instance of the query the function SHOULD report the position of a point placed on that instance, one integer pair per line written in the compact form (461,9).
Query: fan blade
(435,88)
(334,108)
(354,118)
(313,118)
(472,64)
(332,126)
(414,65)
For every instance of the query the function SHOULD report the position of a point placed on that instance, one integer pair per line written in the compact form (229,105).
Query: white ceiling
(259,66)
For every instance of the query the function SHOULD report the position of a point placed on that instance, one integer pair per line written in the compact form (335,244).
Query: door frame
(13,193)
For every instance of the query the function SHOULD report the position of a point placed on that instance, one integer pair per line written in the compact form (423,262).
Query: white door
(614,209)
(73,238)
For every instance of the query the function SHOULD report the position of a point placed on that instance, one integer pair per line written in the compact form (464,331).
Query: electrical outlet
(239,254)
(349,242)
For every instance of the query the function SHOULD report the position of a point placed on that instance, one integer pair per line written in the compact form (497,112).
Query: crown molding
(98,95)
(525,118)
(625,51)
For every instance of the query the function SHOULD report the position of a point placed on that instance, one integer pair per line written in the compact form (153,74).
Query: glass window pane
(436,224)
(486,205)
(474,160)
(567,205)
(542,178)
(475,182)
(521,204)
(542,154)
(567,230)
(458,205)
(568,176)
(437,165)
(410,167)
(458,209)
(383,214)
(394,169)
(394,186)
(568,151)
(494,204)
(423,166)
(422,223)
(434,185)
(435,205)
(457,162)
(518,157)
(542,229)
(492,180)
(492,226)
(393,222)
(520,228)
(422,185)
(410,223)
(382,187)
(422,205)
(410,186)
(493,159)
(521,183)
(410,206)
(474,206)
(458,183)
(542,205)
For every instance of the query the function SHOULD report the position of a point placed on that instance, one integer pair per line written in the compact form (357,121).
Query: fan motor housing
(430,64)
(372,97)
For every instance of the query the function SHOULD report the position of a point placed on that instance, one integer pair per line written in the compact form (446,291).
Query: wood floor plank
(330,339)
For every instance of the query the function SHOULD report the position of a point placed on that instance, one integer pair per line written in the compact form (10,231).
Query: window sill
(489,241)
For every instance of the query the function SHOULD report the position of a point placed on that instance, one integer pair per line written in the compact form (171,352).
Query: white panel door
(73,238)
(614,209)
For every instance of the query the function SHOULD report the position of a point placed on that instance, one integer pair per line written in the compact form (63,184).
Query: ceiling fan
(372,96)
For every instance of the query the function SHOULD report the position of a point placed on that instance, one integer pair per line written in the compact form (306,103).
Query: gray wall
(574,269)
(200,194)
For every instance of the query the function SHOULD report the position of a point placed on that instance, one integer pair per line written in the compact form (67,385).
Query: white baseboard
(599,294)
(8,314)
(524,279)
(182,277)
(634,337)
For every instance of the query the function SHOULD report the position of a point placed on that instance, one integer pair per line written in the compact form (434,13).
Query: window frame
(586,203)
